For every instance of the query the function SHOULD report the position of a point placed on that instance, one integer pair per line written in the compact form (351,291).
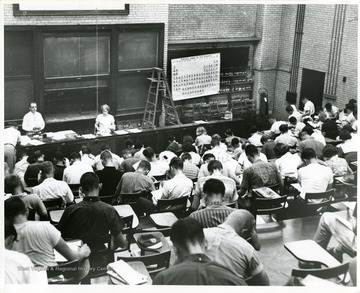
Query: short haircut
(37,155)
(89,181)
(214,165)
(75,156)
(214,186)
(59,156)
(215,142)
(105,147)
(9,230)
(105,106)
(47,168)
(14,207)
(329,151)
(11,183)
(186,156)
(106,156)
(144,165)
(171,137)
(350,106)
(308,130)
(303,98)
(293,120)
(228,131)
(32,103)
(188,147)
(125,152)
(177,163)
(251,150)
(352,101)
(188,138)
(289,109)
(344,135)
(208,156)
(328,106)
(148,152)
(264,138)
(283,128)
(85,149)
(138,145)
(129,142)
(308,154)
(186,230)
(235,141)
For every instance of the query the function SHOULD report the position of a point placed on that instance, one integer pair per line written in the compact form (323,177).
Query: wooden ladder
(159,86)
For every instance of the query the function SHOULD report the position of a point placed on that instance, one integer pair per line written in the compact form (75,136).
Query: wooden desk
(163,220)
(55,215)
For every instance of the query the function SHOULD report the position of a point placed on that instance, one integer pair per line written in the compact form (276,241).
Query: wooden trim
(114,58)
(103,76)
(18,12)
(204,41)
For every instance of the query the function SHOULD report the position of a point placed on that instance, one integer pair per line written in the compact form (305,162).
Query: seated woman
(339,166)
(105,122)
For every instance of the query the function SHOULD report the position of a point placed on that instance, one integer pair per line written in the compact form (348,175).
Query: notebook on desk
(123,272)
(74,245)
(266,192)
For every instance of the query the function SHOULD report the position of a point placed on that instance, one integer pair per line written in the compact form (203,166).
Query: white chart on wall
(196,76)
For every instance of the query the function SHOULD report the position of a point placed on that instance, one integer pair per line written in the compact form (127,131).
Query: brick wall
(139,13)
(211,21)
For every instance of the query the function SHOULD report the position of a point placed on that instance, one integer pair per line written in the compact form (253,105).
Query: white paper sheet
(88,136)
(74,245)
(121,132)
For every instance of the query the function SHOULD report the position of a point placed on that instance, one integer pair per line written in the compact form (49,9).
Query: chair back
(75,189)
(131,198)
(266,206)
(31,215)
(109,199)
(275,188)
(70,270)
(231,205)
(326,273)
(52,204)
(160,177)
(325,197)
(176,205)
(154,263)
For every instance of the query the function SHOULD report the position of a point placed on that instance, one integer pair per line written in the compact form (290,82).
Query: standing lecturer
(105,122)
(33,121)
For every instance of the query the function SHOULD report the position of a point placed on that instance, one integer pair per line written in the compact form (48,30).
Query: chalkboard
(18,95)
(138,49)
(18,53)
(74,56)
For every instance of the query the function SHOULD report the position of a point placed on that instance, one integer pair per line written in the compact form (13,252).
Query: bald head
(241,220)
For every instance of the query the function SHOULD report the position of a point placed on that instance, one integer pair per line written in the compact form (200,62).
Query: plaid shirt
(213,215)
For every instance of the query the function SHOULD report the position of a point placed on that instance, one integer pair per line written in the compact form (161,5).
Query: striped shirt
(213,215)
(190,170)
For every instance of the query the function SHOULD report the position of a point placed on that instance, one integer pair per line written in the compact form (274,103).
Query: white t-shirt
(297,115)
(51,188)
(318,136)
(105,123)
(168,154)
(315,178)
(73,173)
(116,161)
(32,120)
(178,186)
(245,163)
(275,127)
(37,240)
(309,106)
(20,270)
(287,165)
(255,139)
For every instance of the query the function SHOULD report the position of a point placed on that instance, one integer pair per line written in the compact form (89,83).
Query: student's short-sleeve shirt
(260,174)
(309,106)
(37,240)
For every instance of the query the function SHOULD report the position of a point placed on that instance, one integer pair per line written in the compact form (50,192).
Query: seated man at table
(275,125)
(91,217)
(60,163)
(307,141)
(259,174)
(288,161)
(109,177)
(244,161)
(116,159)
(215,169)
(39,239)
(129,161)
(268,147)
(51,188)
(190,170)
(136,182)
(203,172)
(218,149)
(215,211)
(194,267)
(73,173)
(158,167)
(342,230)
(228,246)
(32,202)
(31,175)
(285,137)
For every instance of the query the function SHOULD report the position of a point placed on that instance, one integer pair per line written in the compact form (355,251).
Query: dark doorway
(312,86)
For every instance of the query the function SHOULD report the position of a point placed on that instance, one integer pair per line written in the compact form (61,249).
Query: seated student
(331,111)
(158,168)
(243,159)
(86,155)
(38,239)
(229,137)
(288,161)
(194,267)
(73,173)
(91,217)
(268,147)
(259,174)
(202,137)
(285,137)
(203,172)
(19,267)
(275,127)
(331,226)
(51,188)
(32,171)
(339,166)
(190,170)
(329,129)
(130,145)
(60,163)
(136,182)
(232,170)
(175,147)
(139,147)
(296,126)
(318,136)
(235,148)
(170,152)
(129,161)
(314,177)
(109,177)
(309,108)
(349,148)
(255,136)
(31,201)
(307,141)
(215,169)
(293,113)
(21,166)
(116,159)
(215,211)
(352,114)
(218,151)
(228,246)
(187,147)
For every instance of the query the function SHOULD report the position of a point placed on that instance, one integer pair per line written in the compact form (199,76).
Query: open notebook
(123,272)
